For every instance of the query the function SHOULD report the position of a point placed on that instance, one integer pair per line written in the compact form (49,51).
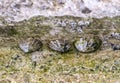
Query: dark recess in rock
(86,10)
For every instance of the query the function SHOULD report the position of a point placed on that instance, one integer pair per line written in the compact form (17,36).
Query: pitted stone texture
(17,10)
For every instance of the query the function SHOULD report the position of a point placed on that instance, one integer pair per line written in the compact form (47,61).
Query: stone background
(17,10)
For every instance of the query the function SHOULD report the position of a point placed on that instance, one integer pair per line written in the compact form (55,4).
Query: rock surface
(17,10)
(42,66)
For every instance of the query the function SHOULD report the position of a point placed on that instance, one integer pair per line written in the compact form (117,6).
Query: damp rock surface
(88,50)
(97,61)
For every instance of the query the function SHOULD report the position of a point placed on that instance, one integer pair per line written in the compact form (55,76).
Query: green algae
(56,65)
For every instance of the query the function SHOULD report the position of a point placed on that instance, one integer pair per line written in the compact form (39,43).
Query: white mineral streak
(17,10)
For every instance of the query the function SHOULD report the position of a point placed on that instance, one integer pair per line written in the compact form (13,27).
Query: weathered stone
(15,10)
(60,45)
